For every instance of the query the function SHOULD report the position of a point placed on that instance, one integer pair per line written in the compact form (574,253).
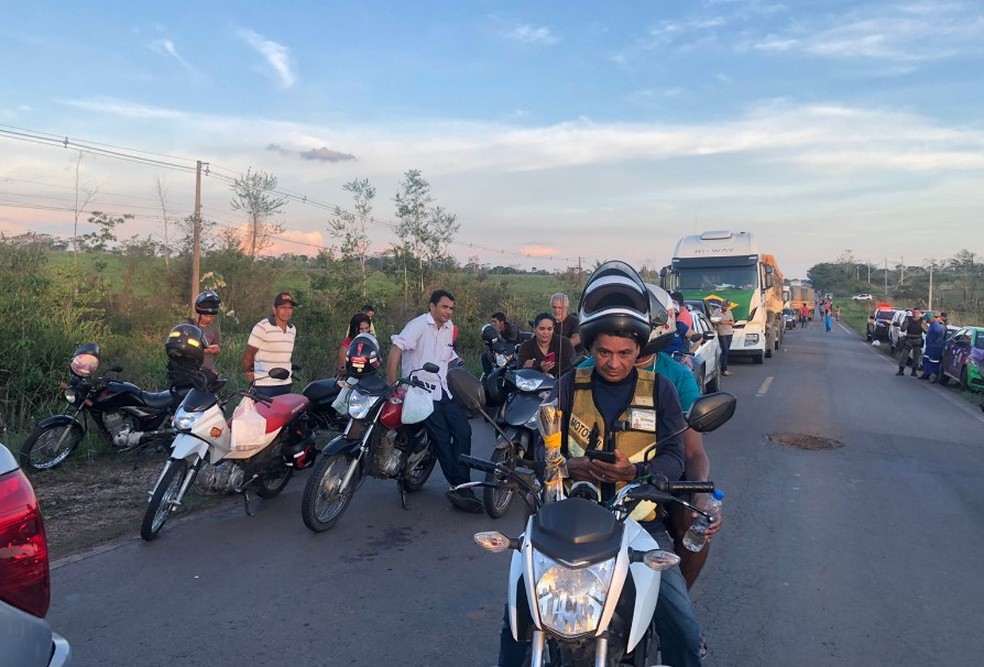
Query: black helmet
(185,346)
(207,303)
(489,334)
(615,299)
(494,385)
(362,356)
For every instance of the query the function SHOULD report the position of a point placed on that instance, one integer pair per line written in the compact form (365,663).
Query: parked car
(879,322)
(707,357)
(862,297)
(26,639)
(698,305)
(789,317)
(895,329)
(963,358)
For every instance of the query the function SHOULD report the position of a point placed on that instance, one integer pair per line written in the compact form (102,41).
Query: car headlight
(751,339)
(528,384)
(360,404)
(571,600)
(184,420)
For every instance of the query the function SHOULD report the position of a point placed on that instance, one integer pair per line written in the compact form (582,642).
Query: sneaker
(465,501)
(913,374)
(703,646)
(727,373)
(901,372)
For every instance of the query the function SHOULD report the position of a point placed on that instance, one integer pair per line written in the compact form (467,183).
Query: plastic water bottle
(696,537)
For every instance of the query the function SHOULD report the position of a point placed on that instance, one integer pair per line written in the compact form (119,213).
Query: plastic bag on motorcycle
(417,405)
(248,426)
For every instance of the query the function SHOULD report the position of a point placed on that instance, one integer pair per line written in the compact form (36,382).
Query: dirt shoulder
(88,503)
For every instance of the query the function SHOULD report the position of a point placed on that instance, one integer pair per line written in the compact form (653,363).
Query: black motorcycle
(126,417)
(322,417)
(517,394)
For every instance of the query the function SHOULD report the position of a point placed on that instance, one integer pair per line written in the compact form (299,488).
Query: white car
(707,356)
(26,639)
(862,297)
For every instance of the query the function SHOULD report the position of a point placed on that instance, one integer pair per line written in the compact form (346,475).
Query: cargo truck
(718,265)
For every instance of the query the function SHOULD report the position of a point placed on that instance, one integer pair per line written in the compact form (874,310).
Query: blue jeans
(676,624)
(725,341)
(451,434)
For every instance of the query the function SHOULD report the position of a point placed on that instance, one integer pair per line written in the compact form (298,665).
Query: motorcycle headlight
(528,384)
(70,395)
(360,404)
(184,420)
(571,600)
(502,359)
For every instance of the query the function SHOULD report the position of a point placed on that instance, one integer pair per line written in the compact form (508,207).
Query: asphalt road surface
(867,553)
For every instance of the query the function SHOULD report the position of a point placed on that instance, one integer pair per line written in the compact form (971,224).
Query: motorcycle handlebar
(476,463)
(690,487)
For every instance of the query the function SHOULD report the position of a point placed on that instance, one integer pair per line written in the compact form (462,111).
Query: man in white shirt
(270,345)
(430,338)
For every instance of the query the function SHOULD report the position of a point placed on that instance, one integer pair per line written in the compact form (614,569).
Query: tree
(84,194)
(162,193)
(254,195)
(352,227)
(104,237)
(425,231)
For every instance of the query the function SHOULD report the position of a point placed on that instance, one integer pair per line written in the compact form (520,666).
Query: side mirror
(279,373)
(431,367)
(466,389)
(711,411)
(709,335)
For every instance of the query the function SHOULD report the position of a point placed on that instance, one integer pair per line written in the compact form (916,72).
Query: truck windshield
(709,279)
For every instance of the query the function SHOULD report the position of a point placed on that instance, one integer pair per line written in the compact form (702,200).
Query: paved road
(864,554)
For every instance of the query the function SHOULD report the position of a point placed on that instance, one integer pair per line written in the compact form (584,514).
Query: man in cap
(270,345)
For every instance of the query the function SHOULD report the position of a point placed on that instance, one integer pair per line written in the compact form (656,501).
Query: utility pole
(901,271)
(886,277)
(930,300)
(868,264)
(196,244)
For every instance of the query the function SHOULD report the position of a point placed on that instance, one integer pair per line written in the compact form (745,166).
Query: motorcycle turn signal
(496,542)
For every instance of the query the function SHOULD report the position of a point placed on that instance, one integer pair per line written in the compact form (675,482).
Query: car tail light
(24,578)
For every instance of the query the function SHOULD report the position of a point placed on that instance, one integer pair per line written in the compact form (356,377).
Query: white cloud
(166,47)
(531,34)
(113,106)
(277,55)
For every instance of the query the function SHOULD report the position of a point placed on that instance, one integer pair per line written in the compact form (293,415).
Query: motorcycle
(321,414)
(584,578)
(518,394)
(126,417)
(375,443)
(205,451)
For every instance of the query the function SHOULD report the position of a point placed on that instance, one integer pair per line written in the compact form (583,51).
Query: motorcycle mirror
(431,367)
(466,389)
(279,373)
(711,411)
(116,369)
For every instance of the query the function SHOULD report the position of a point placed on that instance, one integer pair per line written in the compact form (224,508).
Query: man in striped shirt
(270,345)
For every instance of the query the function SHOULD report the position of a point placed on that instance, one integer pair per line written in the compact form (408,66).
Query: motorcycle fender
(186,445)
(61,420)
(646,582)
(521,573)
(341,445)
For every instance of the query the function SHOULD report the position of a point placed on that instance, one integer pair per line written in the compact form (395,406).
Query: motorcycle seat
(162,399)
(322,391)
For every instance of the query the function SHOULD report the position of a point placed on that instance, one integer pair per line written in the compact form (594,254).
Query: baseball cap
(284,298)
(929,315)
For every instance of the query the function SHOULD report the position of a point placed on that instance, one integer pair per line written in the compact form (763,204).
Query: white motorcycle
(206,453)
(584,578)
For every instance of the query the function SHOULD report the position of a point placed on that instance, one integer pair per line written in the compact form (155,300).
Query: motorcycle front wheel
(48,446)
(160,506)
(273,480)
(415,479)
(324,501)
(497,499)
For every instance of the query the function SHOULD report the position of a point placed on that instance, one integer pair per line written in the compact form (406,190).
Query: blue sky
(554,130)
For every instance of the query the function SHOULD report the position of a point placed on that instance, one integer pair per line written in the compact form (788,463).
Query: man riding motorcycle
(620,408)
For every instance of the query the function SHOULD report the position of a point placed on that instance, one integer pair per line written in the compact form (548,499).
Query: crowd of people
(917,325)
(608,363)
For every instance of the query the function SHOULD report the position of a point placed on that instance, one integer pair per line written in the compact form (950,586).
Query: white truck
(718,265)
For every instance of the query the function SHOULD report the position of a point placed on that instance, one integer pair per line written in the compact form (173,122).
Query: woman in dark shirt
(546,351)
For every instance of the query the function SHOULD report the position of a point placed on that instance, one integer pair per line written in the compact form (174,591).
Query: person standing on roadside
(271,345)
(828,318)
(804,316)
(724,323)
(430,338)
(911,342)
(206,308)
(567,322)
(934,347)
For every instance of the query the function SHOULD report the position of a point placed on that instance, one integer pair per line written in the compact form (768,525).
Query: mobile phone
(551,357)
(600,455)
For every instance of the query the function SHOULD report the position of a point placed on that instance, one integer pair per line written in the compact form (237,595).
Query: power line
(137,156)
